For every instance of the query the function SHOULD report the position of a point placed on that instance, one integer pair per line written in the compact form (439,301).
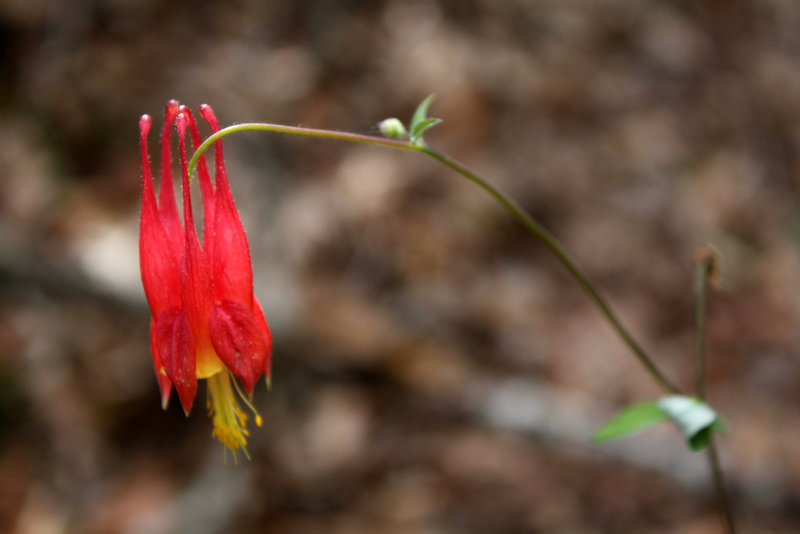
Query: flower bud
(393,129)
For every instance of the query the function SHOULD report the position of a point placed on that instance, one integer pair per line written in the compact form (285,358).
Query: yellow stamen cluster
(230,421)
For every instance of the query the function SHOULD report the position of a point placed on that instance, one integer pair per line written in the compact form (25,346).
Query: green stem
(703,269)
(719,485)
(515,209)
(553,245)
(295,130)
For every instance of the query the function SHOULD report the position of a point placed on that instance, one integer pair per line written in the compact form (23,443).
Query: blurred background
(435,370)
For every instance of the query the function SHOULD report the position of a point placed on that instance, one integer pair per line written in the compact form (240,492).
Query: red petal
(238,341)
(206,187)
(175,346)
(158,260)
(194,280)
(158,264)
(196,290)
(231,269)
(219,162)
(167,205)
(261,321)
(163,380)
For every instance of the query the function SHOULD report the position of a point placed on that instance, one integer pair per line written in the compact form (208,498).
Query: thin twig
(719,486)
(703,270)
(555,247)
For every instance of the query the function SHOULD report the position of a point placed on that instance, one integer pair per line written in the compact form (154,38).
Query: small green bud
(393,129)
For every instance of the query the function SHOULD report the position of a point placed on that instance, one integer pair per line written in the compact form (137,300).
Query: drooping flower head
(206,323)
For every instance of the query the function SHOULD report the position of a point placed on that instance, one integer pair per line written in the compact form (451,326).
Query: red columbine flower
(205,322)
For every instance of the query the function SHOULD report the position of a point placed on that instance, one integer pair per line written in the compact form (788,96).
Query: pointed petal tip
(165,385)
(186,396)
(238,341)
(248,384)
(176,349)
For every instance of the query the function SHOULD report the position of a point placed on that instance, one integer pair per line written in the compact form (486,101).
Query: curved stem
(553,245)
(295,130)
(516,210)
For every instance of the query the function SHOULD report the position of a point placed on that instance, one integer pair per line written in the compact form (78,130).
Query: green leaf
(421,126)
(631,419)
(719,426)
(420,121)
(694,418)
(700,441)
(421,113)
